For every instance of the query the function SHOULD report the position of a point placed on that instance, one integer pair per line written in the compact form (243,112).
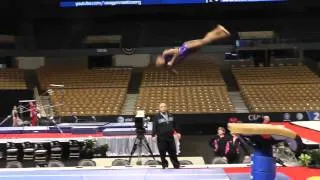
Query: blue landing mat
(124,174)
(246,176)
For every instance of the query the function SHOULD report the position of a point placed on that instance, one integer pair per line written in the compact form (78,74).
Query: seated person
(240,152)
(225,147)
(233,149)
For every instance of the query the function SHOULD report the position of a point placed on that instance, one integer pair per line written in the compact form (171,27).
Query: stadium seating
(84,78)
(13,87)
(279,89)
(87,92)
(274,75)
(282,97)
(12,79)
(199,88)
(190,74)
(91,101)
(184,100)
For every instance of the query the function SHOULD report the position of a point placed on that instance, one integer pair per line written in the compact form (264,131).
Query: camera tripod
(140,142)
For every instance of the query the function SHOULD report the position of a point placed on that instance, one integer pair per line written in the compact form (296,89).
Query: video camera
(139,122)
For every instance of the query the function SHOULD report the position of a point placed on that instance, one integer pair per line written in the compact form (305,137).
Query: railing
(40,106)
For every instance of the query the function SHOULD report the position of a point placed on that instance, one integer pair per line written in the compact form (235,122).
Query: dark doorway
(99,61)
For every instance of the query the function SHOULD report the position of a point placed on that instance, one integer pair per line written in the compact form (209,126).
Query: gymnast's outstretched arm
(172,60)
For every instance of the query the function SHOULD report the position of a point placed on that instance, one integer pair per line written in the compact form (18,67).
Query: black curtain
(99,61)
(7,61)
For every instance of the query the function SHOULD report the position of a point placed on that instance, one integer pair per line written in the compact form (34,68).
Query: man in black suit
(164,129)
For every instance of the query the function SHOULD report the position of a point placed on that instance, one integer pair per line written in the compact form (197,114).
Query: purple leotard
(184,51)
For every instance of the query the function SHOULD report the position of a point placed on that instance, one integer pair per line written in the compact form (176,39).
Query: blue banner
(313,115)
(97,3)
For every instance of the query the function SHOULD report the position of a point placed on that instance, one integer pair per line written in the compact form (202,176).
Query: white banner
(30,62)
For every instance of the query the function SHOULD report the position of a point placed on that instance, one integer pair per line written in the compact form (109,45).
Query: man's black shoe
(164,166)
(177,167)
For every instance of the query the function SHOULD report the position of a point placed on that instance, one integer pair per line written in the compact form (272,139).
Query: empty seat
(56,150)
(199,88)
(279,89)
(12,79)
(11,151)
(89,101)
(28,151)
(40,153)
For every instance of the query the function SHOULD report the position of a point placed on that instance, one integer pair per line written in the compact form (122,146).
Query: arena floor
(191,172)
(137,173)
(125,173)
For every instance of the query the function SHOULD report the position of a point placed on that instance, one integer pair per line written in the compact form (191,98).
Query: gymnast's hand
(170,63)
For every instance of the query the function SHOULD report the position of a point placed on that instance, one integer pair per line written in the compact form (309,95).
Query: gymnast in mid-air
(171,57)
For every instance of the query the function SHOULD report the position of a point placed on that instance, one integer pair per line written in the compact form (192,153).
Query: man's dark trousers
(167,144)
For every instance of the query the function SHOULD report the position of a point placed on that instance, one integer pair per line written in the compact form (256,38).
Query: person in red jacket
(33,114)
